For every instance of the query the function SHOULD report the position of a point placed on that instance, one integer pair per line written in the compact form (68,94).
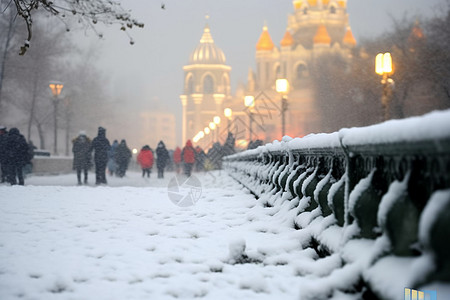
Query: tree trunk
(41,136)
(5,52)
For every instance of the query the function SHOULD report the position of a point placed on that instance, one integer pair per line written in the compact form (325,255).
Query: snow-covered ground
(127,240)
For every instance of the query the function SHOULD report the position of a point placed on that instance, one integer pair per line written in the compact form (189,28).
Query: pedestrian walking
(100,145)
(3,157)
(200,157)
(81,156)
(17,156)
(122,157)
(177,159)
(145,159)
(162,156)
(112,165)
(188,156)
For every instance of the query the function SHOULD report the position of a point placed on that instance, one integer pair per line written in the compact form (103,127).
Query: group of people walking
(116,156)
(15,154)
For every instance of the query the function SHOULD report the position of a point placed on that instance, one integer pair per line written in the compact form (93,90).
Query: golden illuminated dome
(325,2)
(297,4)
(287,40)
(349,39)
(312,2)
(322,36)
(207,52)
(265,41)
(342,3)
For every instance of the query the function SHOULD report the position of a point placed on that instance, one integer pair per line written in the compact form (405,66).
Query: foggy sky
(152,68)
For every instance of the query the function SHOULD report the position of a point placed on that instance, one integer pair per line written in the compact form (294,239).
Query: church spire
(265,41)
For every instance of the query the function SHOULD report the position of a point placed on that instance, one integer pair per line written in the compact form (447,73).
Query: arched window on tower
(190,85)
(208,85)
(332,9)
(301,71)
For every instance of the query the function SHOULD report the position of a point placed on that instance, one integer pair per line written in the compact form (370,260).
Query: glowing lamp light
(212,125)
(206,130)
(201,134)
(56,88)
(216,120)
(249,101)
(228,113)
(282,86)
(134,151)
(383,63)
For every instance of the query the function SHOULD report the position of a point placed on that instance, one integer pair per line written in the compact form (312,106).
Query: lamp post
(383,67)
(56,88)
(216,120)
(249,102)
(206,131)
(228,113)
(212,126)
(282,87)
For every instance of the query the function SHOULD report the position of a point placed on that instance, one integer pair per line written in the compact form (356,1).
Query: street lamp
(228,113)
(249,102)
(282,87)
(56,88)
(383,67)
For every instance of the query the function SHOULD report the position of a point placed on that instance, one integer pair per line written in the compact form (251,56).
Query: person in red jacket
(145,159)
(188,157)
(177,159)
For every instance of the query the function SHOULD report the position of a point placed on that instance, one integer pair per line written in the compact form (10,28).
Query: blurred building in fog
(158,125)
(315,27)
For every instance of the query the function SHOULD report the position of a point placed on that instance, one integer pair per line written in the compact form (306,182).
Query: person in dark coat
(100,145)
(215,155)
(200,158)
(3,157)
(17,155)
(81,156)
(162,156)
(122,158)
(188,157)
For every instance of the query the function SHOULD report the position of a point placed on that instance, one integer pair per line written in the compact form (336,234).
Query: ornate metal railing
(384,184)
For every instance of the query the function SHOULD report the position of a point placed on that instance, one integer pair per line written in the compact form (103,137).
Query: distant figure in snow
(200,158)
(3,157)
(122,158)
(177,159)
(17,156)
(81,156)
(112,165)
(162,156)
(100,145)
(188,156)
(145,160)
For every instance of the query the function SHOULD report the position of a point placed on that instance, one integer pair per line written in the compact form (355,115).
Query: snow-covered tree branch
(86,12)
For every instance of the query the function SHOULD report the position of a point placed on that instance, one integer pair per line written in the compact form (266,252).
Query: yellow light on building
(228,113)
(206,130)
(201,134)
(282,86)
(212,125)
(249,101)
(135,150)
(216,120)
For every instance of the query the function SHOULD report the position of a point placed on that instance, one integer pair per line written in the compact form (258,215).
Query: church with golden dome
(315,28)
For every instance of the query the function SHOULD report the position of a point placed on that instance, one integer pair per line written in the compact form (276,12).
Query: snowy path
(132,242)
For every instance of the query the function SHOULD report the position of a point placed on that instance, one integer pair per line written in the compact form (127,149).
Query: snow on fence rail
(377,196)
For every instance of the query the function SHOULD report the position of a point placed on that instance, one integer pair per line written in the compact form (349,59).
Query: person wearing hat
(3,159)
(81,156)
(16,156)
(100,145)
